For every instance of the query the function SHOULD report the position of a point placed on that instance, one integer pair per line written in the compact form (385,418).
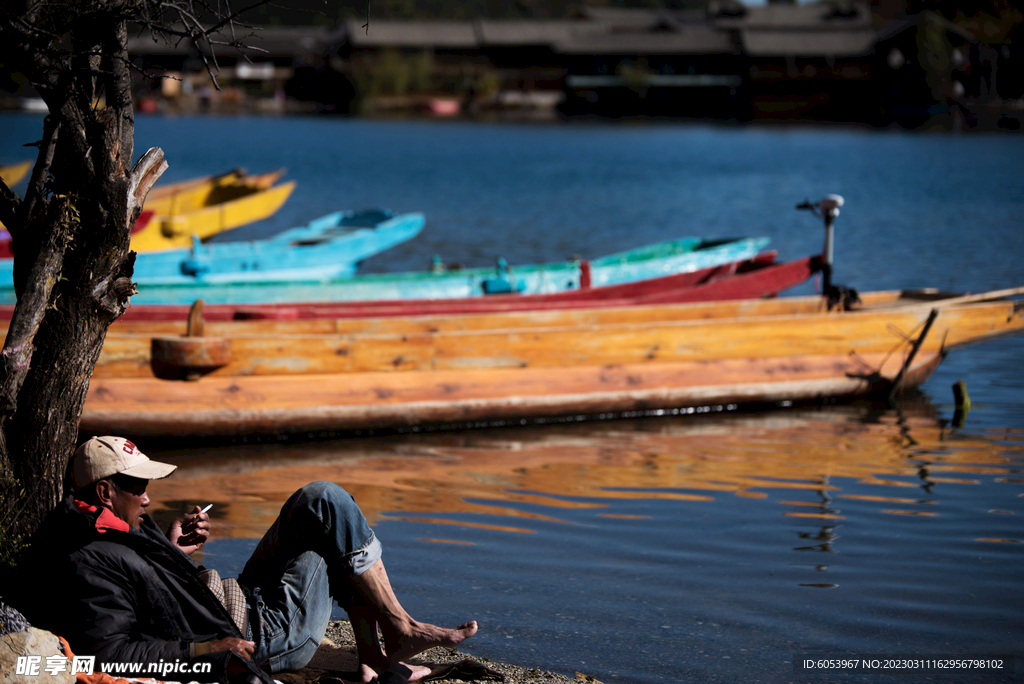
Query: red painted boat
(749,279)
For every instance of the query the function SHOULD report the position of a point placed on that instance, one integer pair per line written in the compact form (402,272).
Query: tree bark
(73,266)
(70,233)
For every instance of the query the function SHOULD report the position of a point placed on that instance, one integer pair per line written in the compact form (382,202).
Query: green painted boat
(664,258)
(673,256)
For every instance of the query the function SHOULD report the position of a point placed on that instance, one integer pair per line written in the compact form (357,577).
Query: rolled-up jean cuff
(364,559)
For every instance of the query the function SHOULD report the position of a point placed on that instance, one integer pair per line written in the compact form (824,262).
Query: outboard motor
(828,209)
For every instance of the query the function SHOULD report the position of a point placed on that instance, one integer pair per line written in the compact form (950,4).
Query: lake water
(717,546)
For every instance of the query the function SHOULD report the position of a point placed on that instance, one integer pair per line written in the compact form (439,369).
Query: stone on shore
(32,642)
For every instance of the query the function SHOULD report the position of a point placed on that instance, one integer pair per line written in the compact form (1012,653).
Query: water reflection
(745,538)
(804,460)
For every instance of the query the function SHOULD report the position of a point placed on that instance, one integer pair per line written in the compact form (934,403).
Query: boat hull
(175,230)
(329,247)
(561,339)
(197,193)
(464,283)
(266,405)
(11,175)
(321,375)
(752,278)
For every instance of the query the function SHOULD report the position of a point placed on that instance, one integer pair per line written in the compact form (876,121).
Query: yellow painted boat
(12,175)
(197,193)
(267,377)
(207,206)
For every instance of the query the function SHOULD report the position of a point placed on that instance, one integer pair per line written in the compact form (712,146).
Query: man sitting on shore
(102,575)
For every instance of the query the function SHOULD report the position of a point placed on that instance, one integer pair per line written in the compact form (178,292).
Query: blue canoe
(664,258)
(327,248)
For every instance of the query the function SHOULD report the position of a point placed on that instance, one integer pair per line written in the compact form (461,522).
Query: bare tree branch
(41,170)
(9,204)
(146,172)
(28,316)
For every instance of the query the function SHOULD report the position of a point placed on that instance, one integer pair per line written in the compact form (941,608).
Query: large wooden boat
(205,207)
(271,377)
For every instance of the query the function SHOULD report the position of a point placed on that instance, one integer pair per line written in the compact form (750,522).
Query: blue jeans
(317,543)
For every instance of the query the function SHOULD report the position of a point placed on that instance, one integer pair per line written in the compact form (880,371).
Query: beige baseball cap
(102,457)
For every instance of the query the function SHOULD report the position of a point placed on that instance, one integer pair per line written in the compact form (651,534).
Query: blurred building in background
(874,63)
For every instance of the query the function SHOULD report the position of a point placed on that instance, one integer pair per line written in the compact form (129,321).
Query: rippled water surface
(673,549)
(706,547)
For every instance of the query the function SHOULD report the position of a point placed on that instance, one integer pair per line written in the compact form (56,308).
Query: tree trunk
(73,267)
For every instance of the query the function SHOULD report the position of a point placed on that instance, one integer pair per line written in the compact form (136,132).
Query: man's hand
(190,531)
(240,646)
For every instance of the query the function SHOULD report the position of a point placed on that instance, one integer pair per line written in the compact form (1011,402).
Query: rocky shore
(334,663)
(337,658)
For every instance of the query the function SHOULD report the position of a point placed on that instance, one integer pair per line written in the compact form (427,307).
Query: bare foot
(419,637)
(366,674)
(411,673)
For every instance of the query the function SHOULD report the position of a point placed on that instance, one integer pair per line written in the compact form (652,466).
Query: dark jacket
(121,596)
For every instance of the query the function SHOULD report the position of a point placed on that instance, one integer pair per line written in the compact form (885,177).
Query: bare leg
(371,655)
(403,636)
(372,661)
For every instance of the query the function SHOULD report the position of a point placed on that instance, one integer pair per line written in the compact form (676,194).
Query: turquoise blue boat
(325,249)
(664,258)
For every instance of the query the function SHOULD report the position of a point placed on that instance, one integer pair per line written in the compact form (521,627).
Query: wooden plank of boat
(315,382)
(165,231)
(544,318)
(237,406)
(593,337)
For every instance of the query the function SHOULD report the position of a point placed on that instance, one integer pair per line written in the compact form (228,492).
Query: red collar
(106,520)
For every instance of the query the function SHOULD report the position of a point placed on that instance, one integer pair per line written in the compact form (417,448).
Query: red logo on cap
(129,448)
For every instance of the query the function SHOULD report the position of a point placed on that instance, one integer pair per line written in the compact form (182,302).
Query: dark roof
(622,17)
(529,32)
(841,28)
(688,41)
(437,34)
(808,43)
(828,29)
(837,15)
